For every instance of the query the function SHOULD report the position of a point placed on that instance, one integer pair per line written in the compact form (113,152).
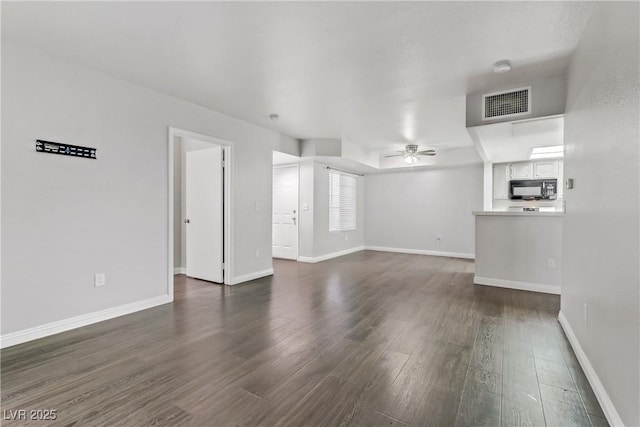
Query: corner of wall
(592,376)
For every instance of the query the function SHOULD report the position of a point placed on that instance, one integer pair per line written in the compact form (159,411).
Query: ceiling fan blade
(427,153)
(395,155)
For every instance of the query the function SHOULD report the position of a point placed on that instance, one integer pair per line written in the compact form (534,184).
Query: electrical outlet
(586,313)
(257,253)
(257,206)
(346,237)
(551,263)
(100,279)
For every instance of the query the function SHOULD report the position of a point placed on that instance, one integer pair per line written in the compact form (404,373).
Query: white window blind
(342,201)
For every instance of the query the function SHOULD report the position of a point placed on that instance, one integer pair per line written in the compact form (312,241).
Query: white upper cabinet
(534,170)
(547,169)
(521,170)
(501,181)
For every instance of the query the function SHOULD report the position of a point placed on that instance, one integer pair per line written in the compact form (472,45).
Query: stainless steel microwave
(533,189)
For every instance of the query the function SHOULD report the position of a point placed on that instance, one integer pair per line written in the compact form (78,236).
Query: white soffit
(513,141)
(284,158)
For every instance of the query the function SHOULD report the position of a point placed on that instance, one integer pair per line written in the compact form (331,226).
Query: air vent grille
(506,104)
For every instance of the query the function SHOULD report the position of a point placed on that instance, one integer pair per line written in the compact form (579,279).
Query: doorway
(285,212)
(200,200)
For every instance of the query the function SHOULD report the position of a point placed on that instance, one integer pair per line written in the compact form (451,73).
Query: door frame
(227,219)
(297,166)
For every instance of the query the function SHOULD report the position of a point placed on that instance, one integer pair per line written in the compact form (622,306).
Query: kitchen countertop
(516,213)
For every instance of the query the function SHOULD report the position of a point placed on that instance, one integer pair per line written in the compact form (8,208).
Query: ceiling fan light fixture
(411,154)
(411,159)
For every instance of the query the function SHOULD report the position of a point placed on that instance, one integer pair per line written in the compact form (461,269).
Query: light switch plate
(100,279)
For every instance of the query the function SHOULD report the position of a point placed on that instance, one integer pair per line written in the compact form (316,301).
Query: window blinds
(342,201)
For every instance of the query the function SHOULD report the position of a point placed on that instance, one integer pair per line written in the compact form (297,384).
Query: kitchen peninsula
(519,250)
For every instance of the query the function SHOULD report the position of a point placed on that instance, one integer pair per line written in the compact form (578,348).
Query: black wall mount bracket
(65,149)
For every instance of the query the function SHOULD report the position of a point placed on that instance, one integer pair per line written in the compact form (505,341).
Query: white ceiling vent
(507,103)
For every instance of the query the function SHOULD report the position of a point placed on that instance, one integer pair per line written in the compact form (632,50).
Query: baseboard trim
(179,270)
(598,388)
(53,328)
(420,252)
(512,284)
(325,257)
(251,276)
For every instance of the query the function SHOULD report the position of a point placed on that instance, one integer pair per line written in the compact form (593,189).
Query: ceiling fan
(411,154)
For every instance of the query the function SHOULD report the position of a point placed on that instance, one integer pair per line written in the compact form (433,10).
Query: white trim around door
(227,148)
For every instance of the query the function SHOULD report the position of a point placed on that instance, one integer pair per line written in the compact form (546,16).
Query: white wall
(514,251)
(320,147)
(315,238)
(600,237)
(65,218)
(306,216)
(406,210)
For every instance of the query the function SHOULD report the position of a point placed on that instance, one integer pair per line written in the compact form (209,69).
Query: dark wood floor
(369,339)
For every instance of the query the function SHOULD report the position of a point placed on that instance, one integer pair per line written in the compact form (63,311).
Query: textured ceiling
(378,74)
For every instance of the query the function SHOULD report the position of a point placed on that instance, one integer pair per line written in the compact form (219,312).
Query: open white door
(285,212)
(204,203)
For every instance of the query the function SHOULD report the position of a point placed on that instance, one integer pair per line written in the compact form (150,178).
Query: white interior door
(204,207)
(285,212)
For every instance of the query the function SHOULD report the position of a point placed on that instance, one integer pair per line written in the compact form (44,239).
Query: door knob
(186,221)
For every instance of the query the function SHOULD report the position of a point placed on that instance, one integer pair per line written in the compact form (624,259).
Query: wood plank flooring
(368,339)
